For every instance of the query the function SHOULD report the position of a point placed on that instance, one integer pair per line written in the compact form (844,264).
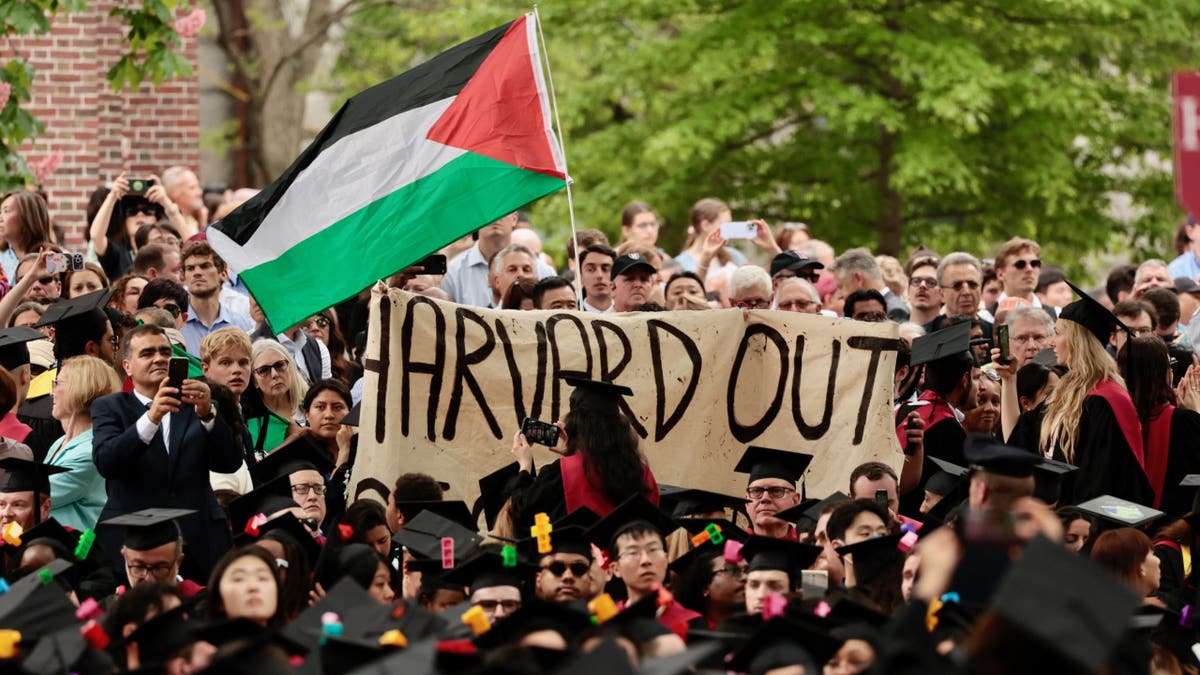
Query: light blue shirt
(9,261)
(195,329)
(1185,265)
(466,279)
(78,495)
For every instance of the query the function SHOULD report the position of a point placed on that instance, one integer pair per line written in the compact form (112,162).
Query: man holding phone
(155,447)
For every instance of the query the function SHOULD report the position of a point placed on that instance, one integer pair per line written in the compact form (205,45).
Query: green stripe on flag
(390,234)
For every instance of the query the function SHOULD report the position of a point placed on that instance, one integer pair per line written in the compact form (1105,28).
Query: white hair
(1028,313)
(749,276)
(498,259)
(297,386)
(173,176)
(804,283)
(858,260)
(1153,262)
(958,258)
(529,238)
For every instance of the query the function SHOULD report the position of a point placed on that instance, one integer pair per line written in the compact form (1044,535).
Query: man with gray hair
(857,270)
(1153,272)
(797,295)
(750,287)
(960,276)
(1030,330)
(511,263)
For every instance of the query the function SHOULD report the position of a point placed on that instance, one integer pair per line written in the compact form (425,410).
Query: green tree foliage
(149,56)
(887,123)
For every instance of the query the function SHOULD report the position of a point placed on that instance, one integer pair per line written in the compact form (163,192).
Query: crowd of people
(177,490)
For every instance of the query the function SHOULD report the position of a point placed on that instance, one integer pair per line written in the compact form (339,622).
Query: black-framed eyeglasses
(263,371)
(927,282)
(558,568)
(733,571)
(157,570)
(491,605)
(303,489)
(172,308)
(46,281)
(774,492)
(1022,264)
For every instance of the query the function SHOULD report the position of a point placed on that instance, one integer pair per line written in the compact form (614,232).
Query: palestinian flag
(403,169)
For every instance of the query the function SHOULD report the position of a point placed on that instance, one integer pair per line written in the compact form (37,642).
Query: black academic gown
(1183,458)
(44,428)
(944,440)
(1175,589)
(541,494)
(1107,465)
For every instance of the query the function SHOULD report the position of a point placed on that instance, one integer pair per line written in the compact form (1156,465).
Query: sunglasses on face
(558,568)
(1022,264)
(172,308)
(319,322)
(263,371)
(969,283)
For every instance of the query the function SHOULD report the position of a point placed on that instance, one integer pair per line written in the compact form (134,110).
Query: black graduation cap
(985,453)
(680,663)
(565,619)
(846,611)
(699,555)
(874,556)
(454,510)
(1095,317)
(1115,512)
(947,342)
(268,499)
(606,657)
(162,637)
(486,569)
(493,493)
(762,462)
(65,310)
(352,418)
(357,612)
(1049,479)
(769,553)
(811,509)
(597,396)
(783,642)
(150,528)
(681,502)
(729,529)
(300,454)
(423,536)
(563,539)
(35,608)
(1066,603)
(246,648)
(287,527)
(23,475)
(633,511)
(1192,480)
(14,352)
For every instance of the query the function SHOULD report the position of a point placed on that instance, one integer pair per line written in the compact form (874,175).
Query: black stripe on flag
(441,77)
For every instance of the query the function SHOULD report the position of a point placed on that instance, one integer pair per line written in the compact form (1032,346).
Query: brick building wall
(87,121)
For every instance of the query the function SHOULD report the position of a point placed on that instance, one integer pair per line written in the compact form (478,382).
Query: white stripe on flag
(539,77)
(352,173)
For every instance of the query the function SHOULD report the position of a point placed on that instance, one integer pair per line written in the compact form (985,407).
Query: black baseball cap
(795,261)
(625,263)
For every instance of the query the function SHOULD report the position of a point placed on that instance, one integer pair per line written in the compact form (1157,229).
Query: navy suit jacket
(141,476)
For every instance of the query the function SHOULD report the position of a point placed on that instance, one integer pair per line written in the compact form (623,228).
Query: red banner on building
(1185,95)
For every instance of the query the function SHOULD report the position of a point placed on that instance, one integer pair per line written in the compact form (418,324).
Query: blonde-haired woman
(1089,420)
(271,404)
(78,495)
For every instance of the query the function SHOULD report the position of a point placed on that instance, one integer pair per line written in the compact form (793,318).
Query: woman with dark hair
(295,572)
(639,224)
(600,466)
(519,295)
(1175,545)
(325,405)
(1170,434)
(117,218)
(710,585)
(1034,384)
(325,327)
(1128,554)
(126,291)
(25,224)
(1089,420)
(244,584)
(368,521)
(360,562)
(1079,529)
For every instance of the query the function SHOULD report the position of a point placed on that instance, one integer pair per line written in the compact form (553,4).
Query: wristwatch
(212,413)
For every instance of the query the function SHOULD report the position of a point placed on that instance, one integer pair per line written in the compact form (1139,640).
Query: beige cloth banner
(447,387)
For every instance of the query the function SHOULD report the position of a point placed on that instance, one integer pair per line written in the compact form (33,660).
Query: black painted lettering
(607,374)
(514,371)
(408,366)
(664,422)
(876,346)
(814,431)
(747,432)
(463,375)
(557,372)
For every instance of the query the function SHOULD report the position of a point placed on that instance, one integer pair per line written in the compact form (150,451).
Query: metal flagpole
(562,149)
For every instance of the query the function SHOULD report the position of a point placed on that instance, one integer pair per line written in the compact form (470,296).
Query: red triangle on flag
(499,113)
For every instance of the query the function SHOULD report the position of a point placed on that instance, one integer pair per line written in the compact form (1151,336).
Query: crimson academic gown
(1172,452)
(1108,450)
(563,486)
